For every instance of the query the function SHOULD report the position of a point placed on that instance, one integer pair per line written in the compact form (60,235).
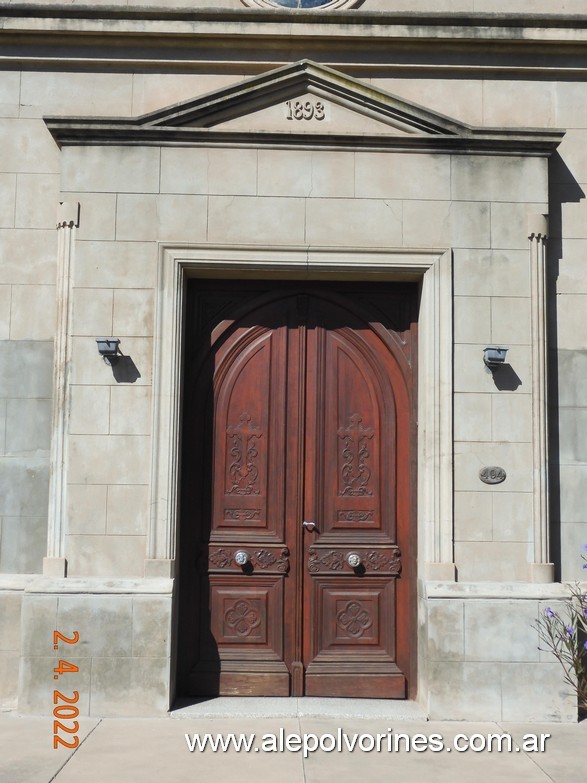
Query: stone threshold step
(307,707)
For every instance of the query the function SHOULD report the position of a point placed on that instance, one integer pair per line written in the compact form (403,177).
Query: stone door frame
(432,267)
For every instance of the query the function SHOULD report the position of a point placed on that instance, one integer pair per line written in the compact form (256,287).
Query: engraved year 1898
(305,110)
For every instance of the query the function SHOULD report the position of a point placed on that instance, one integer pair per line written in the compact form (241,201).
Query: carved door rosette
(354,619)
(269,560)
(386,562)
(242,618)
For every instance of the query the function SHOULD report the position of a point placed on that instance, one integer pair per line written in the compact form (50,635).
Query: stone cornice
(474,24)
(244,40)
(404,125)
(358,25)
(527,142)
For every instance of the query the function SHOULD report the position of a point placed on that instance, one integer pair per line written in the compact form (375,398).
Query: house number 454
(305,110)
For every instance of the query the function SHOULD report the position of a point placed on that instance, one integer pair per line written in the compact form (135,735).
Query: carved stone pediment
(296,105)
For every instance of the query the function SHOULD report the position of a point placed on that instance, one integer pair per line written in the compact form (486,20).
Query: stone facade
(449,165)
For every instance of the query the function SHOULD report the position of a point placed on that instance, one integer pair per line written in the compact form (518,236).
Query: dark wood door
(297,531)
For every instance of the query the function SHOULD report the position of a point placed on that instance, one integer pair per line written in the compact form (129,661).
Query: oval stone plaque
(492,475)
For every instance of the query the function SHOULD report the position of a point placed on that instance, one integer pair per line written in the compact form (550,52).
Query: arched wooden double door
(297,518)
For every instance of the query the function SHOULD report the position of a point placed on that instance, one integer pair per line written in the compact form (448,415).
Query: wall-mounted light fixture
(494,356)
(108,349)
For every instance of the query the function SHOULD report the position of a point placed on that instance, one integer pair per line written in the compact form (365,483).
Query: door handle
(354,559)
(242,558)
(310,526)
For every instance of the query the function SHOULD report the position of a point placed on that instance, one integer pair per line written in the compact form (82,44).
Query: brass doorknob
(353,559)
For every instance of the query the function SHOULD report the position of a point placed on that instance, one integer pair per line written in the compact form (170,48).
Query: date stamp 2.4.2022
(65,711)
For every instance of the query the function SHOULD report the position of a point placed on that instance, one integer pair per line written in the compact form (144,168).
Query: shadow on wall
(125,370)
(563,189)
(506,378)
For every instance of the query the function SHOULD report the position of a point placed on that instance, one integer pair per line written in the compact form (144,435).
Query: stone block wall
(123,652)
(27,289)
(133,200)
(484,661)
(568,334)
(11,593)
(30,172)
(518,102)
(29,187)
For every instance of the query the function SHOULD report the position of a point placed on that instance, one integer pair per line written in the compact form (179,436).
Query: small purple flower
(584,547)
(585,645)
(570,630)
(549,613)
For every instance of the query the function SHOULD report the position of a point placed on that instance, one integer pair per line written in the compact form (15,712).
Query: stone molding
(67,222)
(409,126)
(293,80)
(495,590)
(15,582)
(470,25)
(542,570)
(435,448)
(243,40)
(521,143)
(68,214)
(99,586)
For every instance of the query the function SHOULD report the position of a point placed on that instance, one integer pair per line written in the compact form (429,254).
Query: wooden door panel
(359,442)
(353,429)
(382,561)
(354,684)
(353,620)
(304,413)
(244,605)
(262,561)
(247,616)
(241,650)
(249,445)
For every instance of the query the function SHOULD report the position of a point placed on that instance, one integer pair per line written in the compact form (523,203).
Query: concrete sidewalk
(154,750)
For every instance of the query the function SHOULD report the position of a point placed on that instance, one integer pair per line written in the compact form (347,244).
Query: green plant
(564,633)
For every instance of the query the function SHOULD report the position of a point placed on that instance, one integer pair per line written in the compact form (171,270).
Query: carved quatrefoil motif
(354,619)
(242,618)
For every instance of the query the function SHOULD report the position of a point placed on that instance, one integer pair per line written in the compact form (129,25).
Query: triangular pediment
(309,97)
(298,105)
(311,112)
